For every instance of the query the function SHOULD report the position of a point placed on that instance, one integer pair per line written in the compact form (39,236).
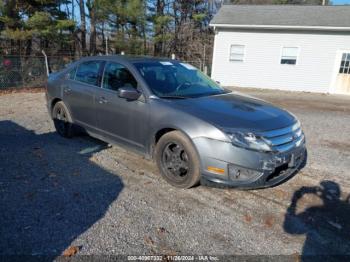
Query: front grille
(284,139)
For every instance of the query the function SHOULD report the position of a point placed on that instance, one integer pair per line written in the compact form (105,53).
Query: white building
(301,48)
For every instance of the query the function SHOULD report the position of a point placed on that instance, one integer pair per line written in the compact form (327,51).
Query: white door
(341,82)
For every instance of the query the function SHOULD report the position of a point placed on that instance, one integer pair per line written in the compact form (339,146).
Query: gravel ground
(57,193)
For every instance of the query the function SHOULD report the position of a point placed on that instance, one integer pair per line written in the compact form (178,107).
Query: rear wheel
(62,120)
(177,160)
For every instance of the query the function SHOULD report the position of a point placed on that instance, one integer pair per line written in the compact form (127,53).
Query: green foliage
(44,25)
(163,37)
(65,25)
(199,17)
(134,10)
(1,7)
(128,20)
(162,20)
(37,21)
(7,20)
(40,21)
(17,34)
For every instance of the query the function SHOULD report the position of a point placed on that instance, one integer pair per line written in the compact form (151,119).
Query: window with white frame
(237,53)
(289,55)
(345,64)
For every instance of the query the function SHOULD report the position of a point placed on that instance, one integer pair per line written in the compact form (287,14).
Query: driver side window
(117,76)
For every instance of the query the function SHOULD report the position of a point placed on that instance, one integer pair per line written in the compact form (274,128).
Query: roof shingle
(283,15)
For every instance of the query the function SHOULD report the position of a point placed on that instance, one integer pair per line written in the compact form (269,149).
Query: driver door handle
(102,100)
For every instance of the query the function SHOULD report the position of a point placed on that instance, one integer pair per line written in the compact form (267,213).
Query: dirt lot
(57,193)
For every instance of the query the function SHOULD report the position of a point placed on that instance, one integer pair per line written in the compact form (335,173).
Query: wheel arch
(164,130)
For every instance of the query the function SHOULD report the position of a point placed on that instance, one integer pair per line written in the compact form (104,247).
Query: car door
(122,120)
(79,90)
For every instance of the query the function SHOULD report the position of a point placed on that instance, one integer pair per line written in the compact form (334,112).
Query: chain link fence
(30,71)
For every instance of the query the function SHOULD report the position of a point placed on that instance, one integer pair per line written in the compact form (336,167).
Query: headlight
(248,141)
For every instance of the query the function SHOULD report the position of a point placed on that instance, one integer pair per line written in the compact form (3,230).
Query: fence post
(21,60)
(46,63)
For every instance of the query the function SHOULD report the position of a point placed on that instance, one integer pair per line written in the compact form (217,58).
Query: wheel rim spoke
(168,165)
(176,150)
(168,152)
(178,172)
(184,165)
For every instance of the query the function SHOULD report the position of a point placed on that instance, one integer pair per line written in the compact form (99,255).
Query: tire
(62,120)
(174,152)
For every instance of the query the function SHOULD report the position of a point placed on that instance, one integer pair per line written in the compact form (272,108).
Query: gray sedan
(169,111)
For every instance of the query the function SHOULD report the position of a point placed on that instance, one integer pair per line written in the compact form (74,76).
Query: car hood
(234,110)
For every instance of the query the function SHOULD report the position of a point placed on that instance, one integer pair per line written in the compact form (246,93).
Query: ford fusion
(194,129)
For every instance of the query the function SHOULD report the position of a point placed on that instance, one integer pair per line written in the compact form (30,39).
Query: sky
(341,2)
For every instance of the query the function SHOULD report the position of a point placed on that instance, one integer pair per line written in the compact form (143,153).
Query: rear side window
(89,72)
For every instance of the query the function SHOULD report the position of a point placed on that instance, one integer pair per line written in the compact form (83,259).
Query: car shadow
(326,226)
(51,191)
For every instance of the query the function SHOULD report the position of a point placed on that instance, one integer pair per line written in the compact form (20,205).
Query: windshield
(177,80)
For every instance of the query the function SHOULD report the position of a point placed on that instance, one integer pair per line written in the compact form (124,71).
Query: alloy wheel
(175,161)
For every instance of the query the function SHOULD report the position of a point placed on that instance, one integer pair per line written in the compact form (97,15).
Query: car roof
(127,58)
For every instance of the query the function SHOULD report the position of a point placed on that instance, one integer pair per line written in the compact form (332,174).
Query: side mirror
(128,93)
(218,82)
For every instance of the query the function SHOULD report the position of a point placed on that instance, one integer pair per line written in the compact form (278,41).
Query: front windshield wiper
(173,97)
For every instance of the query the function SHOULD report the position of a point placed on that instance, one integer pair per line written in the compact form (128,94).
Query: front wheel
(62,120)
(177,160)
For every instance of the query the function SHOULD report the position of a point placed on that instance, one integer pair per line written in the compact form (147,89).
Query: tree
(157,27)
(82,26)
(26,21)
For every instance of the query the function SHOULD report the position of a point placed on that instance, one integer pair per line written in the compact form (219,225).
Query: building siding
(261,67)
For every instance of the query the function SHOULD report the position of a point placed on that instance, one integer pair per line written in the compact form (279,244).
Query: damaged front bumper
(227,165)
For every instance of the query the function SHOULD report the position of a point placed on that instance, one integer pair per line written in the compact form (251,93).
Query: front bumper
(245,168)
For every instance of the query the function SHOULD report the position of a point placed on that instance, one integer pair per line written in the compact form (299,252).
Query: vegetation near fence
(28,71)
(75,28)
